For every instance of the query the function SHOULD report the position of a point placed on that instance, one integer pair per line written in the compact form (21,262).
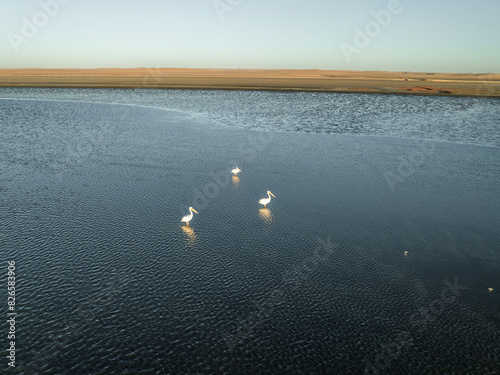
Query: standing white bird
(236,171)
(187,219)
(266,201)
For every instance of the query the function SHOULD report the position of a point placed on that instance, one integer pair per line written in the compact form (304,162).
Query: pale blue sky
(426,35)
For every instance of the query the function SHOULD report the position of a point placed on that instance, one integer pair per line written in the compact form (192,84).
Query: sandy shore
(247,79)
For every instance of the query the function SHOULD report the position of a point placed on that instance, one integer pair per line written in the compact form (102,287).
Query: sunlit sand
(252,79)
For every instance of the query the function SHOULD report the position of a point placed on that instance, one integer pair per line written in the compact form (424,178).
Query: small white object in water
(490,289)
(406,253)
(188,218)
(266,201)
(236,171)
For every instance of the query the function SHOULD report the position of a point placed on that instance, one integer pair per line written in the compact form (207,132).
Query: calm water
(94,183)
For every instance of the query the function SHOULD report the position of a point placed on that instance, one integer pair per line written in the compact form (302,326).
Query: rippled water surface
(377,252)
(462,120)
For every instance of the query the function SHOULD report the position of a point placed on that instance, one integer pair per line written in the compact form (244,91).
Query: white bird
(266,201)
(236,171)
(187,219)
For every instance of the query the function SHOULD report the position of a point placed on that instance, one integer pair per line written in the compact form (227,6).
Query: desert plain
(453,84)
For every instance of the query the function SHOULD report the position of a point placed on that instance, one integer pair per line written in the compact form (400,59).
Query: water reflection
(190,235)
(266,215)
(235,180)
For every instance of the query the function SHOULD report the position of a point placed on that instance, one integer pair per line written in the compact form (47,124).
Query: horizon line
(265,69)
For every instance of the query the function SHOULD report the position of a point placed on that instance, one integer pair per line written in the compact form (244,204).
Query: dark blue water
(109,281)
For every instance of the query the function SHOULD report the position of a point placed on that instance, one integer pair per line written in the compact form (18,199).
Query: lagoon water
(94,183)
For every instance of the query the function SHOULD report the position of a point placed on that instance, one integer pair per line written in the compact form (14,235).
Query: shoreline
(440,84)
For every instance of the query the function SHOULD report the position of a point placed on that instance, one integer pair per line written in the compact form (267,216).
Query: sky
(460,36)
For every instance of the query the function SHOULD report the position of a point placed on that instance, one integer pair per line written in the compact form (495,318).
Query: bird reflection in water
(190,235)
(266,215)
(235,180)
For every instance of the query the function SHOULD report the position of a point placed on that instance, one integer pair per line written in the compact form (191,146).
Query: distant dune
(252,79)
